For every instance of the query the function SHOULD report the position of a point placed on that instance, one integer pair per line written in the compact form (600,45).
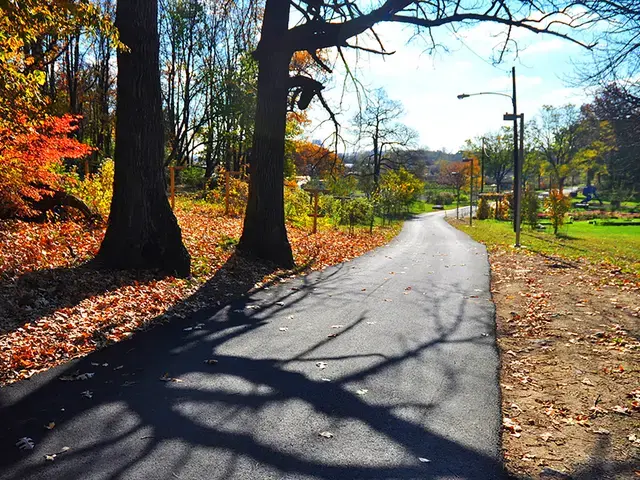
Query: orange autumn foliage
(315,160)
(29,160)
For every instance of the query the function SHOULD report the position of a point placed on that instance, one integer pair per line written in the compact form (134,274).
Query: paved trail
(411,374)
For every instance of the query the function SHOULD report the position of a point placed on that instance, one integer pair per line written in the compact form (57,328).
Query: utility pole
(517,166)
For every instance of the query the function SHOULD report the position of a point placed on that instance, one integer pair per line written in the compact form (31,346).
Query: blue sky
(427,84)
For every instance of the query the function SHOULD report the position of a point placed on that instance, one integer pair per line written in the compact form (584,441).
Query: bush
(31,162)
(484,209)
(557,205)
(193,177)
(530,208)
(297,205)
(503,207)
(357,211)
(444,198)
(96,190)
(330,207)
(238,194)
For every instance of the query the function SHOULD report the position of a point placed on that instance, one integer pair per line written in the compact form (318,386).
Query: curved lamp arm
(465,95)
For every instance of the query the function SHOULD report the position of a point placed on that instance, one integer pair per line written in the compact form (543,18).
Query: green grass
(420,206)
(617,245)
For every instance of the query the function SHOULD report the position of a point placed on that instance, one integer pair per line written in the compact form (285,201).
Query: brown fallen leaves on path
(569,341)
(53,309)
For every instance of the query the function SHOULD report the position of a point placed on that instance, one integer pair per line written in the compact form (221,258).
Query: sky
(427,83)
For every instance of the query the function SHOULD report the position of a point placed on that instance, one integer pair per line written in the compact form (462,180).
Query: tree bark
(142,232)
(264,235)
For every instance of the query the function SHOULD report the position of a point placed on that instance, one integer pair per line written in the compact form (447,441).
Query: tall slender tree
(142,231)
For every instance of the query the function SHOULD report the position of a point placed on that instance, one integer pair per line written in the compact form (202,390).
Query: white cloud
(545,46)
(504,83)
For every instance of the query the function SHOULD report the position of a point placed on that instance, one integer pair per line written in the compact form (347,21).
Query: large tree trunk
(264,235)
(142,230)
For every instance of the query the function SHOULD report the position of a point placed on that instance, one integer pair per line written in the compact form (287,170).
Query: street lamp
(470,160)
(517,164)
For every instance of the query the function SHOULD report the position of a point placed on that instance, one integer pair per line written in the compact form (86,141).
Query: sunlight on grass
(617,245)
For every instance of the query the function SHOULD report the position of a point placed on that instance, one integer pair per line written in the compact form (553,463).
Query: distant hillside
(419,161)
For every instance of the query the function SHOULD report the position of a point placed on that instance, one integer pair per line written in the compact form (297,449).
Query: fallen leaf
(362,391)
(321,365)
(51,457)
(337,326)
(326,434)
(167,378)
(87,393)
(511,426)
(25,443)
(50,425)
(586,381)
(283,329)
(424,460)
(620,409)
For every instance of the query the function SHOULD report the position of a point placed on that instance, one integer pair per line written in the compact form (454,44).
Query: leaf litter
(570,374)
(52,309)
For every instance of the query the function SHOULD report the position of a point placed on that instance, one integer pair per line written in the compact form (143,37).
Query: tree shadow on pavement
(160,409)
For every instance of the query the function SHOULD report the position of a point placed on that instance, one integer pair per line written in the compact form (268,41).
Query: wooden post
(314,197)
(226,193)
(172,184)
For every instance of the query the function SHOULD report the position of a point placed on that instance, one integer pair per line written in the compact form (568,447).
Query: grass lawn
(420,206)
(617,245)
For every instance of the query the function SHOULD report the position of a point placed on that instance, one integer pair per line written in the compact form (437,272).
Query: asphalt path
(391,356)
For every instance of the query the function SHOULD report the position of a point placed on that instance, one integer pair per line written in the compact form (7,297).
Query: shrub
(297,205)
(238,194)
(557,205)
(193,177)
(357,211)
(530,207)
(444,198)
(96,190)
(484,209)
(503,207)
(31,161)
(330,207)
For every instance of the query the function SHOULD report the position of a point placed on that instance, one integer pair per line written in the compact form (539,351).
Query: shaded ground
(382,367)
(53,309)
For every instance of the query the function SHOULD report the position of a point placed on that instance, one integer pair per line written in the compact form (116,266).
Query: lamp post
(470,161)
(517,163)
